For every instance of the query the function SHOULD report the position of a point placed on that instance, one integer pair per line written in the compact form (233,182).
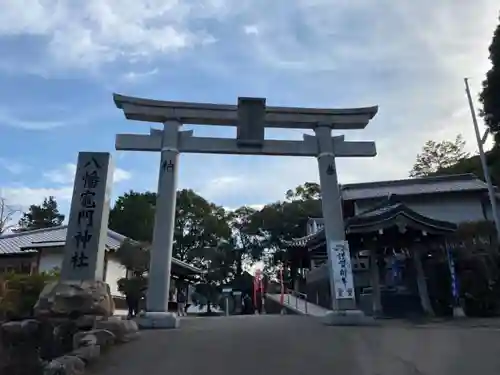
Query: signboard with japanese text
(342,270)
(86,236)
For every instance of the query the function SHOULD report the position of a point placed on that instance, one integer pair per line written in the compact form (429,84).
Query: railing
(299,298)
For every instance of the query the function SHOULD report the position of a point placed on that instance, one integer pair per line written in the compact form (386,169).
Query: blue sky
(60,62)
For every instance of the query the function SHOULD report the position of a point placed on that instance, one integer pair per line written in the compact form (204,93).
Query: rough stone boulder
(65,365)
(101,337)
(123,330)
(19,348)
(75,298)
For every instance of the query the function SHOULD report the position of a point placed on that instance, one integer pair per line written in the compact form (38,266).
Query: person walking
(134,291)
(133,305)
(181,303)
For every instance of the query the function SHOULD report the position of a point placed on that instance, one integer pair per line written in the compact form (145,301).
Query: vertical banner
(282,296)
(454,281)
(257,286)
(340,257)
(395,271)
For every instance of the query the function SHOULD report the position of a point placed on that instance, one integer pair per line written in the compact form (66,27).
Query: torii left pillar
(157,314)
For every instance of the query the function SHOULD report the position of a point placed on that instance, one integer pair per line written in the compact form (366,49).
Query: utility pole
(482,156)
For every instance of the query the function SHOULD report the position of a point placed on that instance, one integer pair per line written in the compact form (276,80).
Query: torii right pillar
(344,307)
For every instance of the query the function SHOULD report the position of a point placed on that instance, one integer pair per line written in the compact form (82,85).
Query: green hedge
(19,293)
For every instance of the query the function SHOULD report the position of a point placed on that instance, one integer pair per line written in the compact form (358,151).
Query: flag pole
(482,156)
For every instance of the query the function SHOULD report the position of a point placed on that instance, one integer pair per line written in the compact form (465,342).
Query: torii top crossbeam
(222,114)
(251,117)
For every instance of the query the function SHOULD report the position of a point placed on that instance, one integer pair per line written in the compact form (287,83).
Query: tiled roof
(382,214)
(389,211)
(15,243)
(413,186)
(29,241)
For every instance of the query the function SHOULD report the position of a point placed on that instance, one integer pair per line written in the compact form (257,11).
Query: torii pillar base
(157,320)
(348,318)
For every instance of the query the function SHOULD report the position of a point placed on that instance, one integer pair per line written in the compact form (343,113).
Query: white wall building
(454,198)
(42,250)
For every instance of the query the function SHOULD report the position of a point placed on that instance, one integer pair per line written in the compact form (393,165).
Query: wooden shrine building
(389,244)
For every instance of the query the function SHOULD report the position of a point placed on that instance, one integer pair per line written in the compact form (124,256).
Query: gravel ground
(293,345)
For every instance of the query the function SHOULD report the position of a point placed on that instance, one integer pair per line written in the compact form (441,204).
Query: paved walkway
(294,344)
(299,305)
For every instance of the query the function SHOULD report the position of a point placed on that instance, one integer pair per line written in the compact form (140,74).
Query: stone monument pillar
(85,249)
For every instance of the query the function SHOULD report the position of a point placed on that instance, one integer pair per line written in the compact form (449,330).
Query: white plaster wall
(115,271)
(52,258)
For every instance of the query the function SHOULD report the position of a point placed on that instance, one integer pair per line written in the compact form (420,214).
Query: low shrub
(19,293)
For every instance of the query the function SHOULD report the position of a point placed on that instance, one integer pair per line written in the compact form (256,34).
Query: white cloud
(136,76)
(121,175)
(12,166)
(23,196)
(407,56)
(66,174)
(87,33)
(62,175)
(251,29)
(11,120)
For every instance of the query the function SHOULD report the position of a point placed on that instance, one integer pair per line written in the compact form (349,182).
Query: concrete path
(299,305)
(293,345)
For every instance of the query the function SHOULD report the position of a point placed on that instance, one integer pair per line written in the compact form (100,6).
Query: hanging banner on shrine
(342,269)
(454,280)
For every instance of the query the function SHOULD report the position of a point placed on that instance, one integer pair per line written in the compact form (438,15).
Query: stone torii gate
(251,117)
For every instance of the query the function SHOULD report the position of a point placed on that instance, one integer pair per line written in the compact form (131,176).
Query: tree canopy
(45,215)
(490,94)
(212,238)
(133,215)
(438,156)
(310,190)
(198,223)
(432,161)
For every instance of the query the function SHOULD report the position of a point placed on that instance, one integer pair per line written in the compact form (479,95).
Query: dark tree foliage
(133,215)
(438,156)
(41,216)
(490,95)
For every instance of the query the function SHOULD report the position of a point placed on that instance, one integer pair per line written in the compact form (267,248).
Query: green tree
(310,190)
(490,95)
(245,241)
(133,215)
(41,216)
(438,156)
(219,264)
(134,257)
(283,221)
(199,224)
